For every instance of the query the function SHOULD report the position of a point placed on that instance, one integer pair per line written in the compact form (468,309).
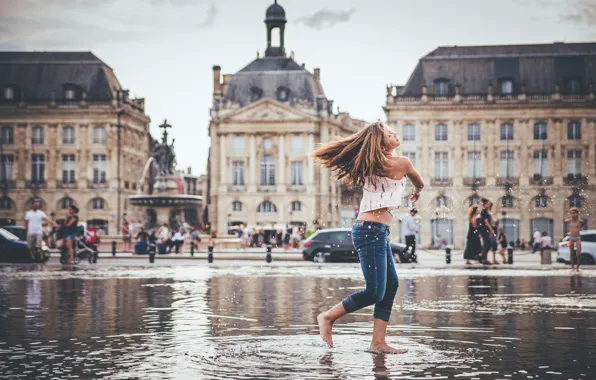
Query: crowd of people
(290,237)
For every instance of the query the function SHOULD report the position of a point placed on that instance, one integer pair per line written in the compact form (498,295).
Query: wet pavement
(252,321)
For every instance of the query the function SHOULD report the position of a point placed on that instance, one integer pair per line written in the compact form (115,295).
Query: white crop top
(382,192)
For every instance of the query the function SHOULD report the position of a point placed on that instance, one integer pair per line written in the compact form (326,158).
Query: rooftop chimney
(318,74)
(216,81)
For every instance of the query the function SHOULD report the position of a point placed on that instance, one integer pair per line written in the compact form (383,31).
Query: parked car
(335,244)
(588,254)
(13,250)
(18,231)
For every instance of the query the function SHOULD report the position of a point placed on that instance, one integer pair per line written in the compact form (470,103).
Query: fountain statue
(165,201)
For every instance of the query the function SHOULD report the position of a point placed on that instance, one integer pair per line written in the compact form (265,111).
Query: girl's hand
(414,195)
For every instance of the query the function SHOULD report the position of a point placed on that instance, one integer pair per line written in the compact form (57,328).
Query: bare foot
(384,348)
(325,326)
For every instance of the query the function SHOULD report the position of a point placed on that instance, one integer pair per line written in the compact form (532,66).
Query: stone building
(70,134)
(514,124)
(264,121)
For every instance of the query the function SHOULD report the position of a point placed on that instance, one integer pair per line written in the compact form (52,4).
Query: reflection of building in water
(514,124)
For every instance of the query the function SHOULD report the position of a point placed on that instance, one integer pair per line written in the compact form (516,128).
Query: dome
(275,12)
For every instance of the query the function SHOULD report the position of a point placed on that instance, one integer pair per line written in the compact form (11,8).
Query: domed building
(265,119)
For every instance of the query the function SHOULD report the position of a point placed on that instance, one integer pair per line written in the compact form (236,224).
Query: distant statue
(163,153)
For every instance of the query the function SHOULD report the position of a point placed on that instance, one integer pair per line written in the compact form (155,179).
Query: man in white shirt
(34,219)
(536,240)
(410,230)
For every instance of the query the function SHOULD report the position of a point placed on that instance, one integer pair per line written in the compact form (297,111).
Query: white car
(588,256)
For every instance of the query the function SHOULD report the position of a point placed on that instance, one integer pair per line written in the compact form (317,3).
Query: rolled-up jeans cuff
(349,305)
(382,314)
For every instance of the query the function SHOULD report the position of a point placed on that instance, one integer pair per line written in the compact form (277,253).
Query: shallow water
(255,322)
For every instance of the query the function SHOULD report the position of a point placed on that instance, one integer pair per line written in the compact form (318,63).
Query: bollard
(152,256)
(210,254)
(268,256)
(448,255)
(192,248)
(510,255)
(113,247)
(95,254)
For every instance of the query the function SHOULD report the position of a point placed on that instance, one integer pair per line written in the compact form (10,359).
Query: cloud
(581,12)
(209,20)
(326,18)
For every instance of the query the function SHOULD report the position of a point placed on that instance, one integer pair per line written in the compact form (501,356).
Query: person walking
(69,231)
(34,219)
(486,230)
(575,243)
(126,234)
(502,241)
(473,250)
(536,240)
(366,159)
(546,244)
(494,222)
(410,231)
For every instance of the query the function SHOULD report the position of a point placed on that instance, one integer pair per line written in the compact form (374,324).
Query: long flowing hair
(473,211)
(358,157)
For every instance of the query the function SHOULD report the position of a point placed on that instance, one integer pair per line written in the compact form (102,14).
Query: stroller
(84,246)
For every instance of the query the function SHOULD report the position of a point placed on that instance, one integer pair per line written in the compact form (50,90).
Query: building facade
(70,134)
(514,124)
(265,120)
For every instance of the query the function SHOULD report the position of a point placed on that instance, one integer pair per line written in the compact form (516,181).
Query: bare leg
(70,251)
(578,252)
(572,254)
(326,320)
(378,344)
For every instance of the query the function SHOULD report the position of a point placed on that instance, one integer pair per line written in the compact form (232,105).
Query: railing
(537,179)
(473,181)
(97,185)
(237,188)
(441,181)
(35,184)
(507,181)
(267,188)
(297,188)
(66,185)
(575,180)
(476,98)
(8,184)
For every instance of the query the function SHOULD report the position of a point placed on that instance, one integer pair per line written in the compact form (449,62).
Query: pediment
(267,110)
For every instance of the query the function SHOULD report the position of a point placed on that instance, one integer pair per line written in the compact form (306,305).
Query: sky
(164,50)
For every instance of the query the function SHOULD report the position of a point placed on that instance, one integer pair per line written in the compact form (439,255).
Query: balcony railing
(267,188)
(575,179)
(237,188)
(474,181)
(97,185)
(35,184)
(8,184)
(537,179)
(297,188)
(441,181)
(67,185)
(507,181)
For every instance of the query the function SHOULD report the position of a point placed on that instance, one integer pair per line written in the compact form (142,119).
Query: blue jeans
(376,260)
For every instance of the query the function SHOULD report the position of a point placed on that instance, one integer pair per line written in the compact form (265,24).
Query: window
(507,132)
(99,168)
(506,87)
(283,94)
(297,144)
(409,132)
(69,94)
(441,201)
(68,168)
(574,130)
(238,173)
(573,86)
(267,171)
(575,201)
(6,169)
(474,200)
(441,132)
(411,156)
(37,168)
(238,144)
(267,207)
(506,164)
(510,228)
(540,163)
(5,203)
(507,201)
(66,203)
(442,231)
(441,165)
(541,201)
(474,132)
(296,173)
(543,225)
(296,206)
(442,87)
(7,137)
(574,162)
(236,206)
(267,144)
(37,135)
(540,131)
(98,204)
(8,93)
(255,93)
(474,164)
(68,135)
(99,135)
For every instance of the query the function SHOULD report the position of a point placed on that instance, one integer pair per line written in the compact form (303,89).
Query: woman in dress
(366,159)
(473,245)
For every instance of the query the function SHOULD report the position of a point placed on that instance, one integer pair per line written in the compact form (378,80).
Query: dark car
(336,245)
(18,231)
(12,249)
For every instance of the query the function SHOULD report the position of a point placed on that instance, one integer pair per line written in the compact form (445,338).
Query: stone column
(53,160)
(253,164)
(324,182)
(588,127)
(281,170)
(223,163)
(458,160)
(22,156)
(310,174)
(83,157)
(525,158)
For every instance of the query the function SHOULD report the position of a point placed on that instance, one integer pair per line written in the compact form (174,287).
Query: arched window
(541,201)
(474,200)
(5,203)
(98,204)
(441,201)
(506,131)
(506,85)
(267,171)
(256,93)
(540,131)
(575,201)
(267,207)
(66,203)
(236,206)
(7,137)
(296,206)
(68,135)
(442,87)
(283,94)
(507,201)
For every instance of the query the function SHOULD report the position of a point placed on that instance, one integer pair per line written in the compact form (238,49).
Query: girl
(70,232)
(473,245)
(503,245)
(366,159)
